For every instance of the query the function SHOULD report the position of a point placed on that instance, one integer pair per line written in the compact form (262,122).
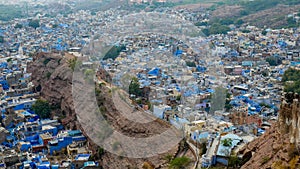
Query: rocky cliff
(52,76)
(279,146)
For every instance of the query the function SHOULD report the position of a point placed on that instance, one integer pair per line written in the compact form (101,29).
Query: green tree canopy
(264,32)
(227,142)
(34,23)
(18,26)
(291,75)
(134,87)
(234,161)
(74,63)
(179,162)
(273,61)
(216,28)
(190,64)
(201,23)
(239,22)
(42,108)
(1,39)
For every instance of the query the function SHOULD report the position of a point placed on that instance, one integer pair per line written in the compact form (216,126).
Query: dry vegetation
(227,11)
(274,17)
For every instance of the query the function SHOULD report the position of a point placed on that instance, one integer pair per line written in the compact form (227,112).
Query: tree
(168,157)
(179,162)
(18,26)
(228,106)
(134,87)
(100,152)
(273,61)
(264,105)
(227,142)
(201,24)
(234,161)
(205,31)
(54,26)
(291,80)
(244,13)
(291,20)
(239,22)
(291,75)
(74,63)
(264,32)
(218,28)
(246,31)
(292,87)
(34,23)
(226,21)
(190,64)
(42,108)
(1,39)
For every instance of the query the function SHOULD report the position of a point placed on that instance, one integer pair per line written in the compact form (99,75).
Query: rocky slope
(52,76)
(279,146)
(275,17)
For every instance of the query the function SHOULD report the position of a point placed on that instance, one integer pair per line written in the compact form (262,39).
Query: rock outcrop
(289,117)
(52,76)
(279,146)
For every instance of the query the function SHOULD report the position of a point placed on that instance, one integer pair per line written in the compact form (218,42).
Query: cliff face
(289,117)
(278,147)
(52,76)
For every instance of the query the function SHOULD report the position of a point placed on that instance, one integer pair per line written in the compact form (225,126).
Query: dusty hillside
(194,6)
(278,147)
(52,75)
(227,11)
(274,17)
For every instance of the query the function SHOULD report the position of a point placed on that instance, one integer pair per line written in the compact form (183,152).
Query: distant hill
(8,12)
(259,13)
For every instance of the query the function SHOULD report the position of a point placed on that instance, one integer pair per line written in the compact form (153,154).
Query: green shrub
(265,160)
(42,108)
(179,162)
(48,74)
(46,61)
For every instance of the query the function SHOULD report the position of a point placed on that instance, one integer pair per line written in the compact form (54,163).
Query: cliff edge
(279,147)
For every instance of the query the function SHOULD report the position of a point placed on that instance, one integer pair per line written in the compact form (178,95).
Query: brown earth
(194,6)
(279,147)
(226,11)
(52,76)
(273,18)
